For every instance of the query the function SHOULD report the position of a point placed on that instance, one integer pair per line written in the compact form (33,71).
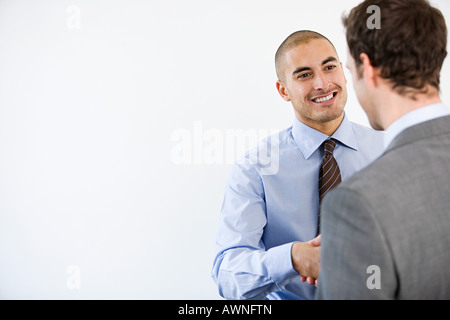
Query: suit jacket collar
(421,131)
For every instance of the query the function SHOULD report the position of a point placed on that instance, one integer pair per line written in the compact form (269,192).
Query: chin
(332,115)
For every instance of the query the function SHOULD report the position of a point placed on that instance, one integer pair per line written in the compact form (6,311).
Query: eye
(304,75)
(330,67)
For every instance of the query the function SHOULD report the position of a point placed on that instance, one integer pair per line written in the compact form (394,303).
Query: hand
(306,259)
(316,243)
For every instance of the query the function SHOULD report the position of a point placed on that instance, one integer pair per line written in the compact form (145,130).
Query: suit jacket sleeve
(356,261)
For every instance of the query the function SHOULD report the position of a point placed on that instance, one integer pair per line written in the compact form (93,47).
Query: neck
(395,106)
(327,127)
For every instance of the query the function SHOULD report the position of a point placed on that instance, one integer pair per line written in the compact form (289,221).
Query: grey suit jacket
(386,230)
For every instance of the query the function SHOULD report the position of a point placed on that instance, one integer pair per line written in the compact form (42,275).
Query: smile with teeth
(325,99)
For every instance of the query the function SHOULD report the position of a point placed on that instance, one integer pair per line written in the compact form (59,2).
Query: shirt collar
(309,139)
(414,117)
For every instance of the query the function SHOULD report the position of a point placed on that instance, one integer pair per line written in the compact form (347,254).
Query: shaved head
(295,39)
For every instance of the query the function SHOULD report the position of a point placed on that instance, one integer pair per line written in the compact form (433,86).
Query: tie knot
(329,145)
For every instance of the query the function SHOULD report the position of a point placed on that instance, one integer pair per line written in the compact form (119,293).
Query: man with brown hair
(385,231)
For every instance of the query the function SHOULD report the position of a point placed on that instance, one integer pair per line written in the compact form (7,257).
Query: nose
(321,82)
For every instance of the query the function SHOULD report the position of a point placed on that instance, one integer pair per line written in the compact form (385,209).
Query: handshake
(306,260)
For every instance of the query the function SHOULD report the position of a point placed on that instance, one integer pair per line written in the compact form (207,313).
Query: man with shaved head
(268,243)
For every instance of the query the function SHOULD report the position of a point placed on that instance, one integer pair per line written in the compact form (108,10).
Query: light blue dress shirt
(272,202)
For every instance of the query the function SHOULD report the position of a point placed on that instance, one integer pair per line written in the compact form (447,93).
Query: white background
(92,94)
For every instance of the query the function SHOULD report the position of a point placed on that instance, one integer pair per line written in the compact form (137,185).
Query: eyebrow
(301,69)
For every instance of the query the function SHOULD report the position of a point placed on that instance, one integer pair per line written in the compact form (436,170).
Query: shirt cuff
(279,264)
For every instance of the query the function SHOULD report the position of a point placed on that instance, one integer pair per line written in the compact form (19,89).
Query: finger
(316,241)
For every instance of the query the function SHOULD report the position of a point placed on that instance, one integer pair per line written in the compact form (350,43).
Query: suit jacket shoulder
(401,202)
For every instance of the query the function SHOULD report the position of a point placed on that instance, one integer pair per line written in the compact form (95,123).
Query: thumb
(316,241)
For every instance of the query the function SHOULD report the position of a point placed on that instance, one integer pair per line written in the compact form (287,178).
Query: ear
(282,90)
(370,75)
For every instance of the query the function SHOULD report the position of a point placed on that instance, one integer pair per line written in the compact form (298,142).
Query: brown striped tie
(330,175)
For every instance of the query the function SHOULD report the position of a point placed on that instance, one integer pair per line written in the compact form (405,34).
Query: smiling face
(314,82)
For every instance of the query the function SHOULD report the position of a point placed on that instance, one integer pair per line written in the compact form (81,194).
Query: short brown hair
(410,46)
(292,41)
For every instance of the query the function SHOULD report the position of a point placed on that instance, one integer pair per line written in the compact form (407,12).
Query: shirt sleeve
(243,268)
